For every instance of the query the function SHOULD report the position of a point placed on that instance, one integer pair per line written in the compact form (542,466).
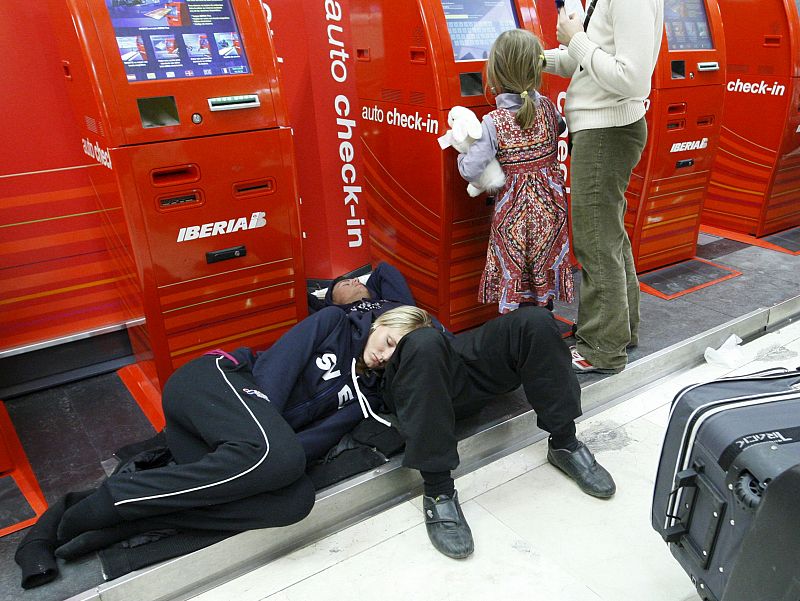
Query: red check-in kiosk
(180,103)
(755,179)
(665,195)
(313,41)
(414,61)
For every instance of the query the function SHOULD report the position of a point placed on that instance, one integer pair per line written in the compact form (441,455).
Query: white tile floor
(536,536)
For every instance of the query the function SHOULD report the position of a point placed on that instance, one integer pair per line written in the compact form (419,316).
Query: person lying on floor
(241,428)
(435,378)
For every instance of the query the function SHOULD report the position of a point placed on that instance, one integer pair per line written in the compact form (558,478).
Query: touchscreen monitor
(475,24)
(164,40)
(687,25)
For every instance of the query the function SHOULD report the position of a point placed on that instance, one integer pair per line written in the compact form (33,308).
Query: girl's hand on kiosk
(568,26)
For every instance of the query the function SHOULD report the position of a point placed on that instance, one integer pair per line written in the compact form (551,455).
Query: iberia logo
(220,228)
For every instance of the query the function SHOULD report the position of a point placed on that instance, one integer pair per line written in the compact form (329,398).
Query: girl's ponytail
(515,65)
(526,115)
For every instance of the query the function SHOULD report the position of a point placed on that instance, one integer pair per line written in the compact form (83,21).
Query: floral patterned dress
(528,255)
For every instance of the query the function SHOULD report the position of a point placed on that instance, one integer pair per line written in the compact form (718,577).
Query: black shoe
(447,527)
(581,466)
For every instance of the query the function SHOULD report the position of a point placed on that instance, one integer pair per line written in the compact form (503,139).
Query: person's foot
(581,466)
(447,527)
(580,365)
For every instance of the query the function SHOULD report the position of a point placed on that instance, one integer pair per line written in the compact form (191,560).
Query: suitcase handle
(692,484)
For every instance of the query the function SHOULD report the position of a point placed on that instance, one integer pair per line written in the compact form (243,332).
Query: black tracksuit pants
(239,463)
(431,381)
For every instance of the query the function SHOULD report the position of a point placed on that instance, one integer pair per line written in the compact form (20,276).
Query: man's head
(348,290)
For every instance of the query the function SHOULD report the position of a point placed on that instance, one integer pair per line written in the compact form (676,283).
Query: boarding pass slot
(708,66)
(180,201)
(233,103)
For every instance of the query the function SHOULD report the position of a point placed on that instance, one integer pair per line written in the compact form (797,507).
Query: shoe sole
(595,370)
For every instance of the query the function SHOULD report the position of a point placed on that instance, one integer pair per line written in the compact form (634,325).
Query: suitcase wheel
(748,490)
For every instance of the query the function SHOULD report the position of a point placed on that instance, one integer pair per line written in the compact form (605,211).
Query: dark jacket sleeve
(320,436)
(277,370)
(387,283)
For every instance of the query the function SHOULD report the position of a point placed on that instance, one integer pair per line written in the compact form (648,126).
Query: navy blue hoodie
(309,375)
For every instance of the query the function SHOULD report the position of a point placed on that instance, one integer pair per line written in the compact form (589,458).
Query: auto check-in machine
(755,179)
(415,61)
(180,102)
(314,45)
(667,188)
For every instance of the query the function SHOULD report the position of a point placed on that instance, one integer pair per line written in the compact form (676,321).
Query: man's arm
(387,283)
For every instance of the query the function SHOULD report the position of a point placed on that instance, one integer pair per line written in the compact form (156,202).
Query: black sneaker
(447,527)
(581,466)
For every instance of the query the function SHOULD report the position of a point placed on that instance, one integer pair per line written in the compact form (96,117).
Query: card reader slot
(676,124)
(232,103)
(705,120)
(256,187)
(772,41)
(175,175)
(708,66)
(678,108)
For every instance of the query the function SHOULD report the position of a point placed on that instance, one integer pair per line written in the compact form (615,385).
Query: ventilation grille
(416,98)
(734,68)
(91,124)
(391,95)
(418,36)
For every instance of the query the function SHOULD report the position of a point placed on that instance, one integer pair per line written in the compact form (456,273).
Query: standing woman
(610,56)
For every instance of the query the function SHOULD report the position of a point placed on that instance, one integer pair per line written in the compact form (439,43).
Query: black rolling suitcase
(727,491)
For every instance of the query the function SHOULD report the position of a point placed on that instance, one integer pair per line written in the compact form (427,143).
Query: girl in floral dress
(527,261)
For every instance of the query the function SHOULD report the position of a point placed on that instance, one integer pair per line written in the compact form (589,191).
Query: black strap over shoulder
(589,12)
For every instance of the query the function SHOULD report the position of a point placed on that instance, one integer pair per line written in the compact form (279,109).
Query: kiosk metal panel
(412,67)
(667,188)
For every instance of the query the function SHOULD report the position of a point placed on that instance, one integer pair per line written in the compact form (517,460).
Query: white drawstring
(366,408)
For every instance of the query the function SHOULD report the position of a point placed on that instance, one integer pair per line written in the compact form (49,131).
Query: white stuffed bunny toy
(464,130)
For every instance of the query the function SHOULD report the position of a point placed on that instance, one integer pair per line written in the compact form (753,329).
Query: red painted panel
(755,182)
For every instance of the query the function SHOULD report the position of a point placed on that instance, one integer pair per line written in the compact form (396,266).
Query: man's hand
(568,26)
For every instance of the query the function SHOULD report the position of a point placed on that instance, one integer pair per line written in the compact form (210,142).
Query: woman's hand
(568,26)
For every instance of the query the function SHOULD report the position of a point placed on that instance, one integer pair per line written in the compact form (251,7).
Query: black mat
(67,432)
(684,277)
(788,239)
(717,247)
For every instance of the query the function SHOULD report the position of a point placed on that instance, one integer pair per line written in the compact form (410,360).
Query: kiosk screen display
(165,40)
(687,25)
(475,24)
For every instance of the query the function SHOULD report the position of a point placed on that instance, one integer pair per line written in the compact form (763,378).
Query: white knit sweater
(618,53)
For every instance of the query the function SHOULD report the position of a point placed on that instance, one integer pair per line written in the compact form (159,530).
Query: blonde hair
(404,319)
(515,65)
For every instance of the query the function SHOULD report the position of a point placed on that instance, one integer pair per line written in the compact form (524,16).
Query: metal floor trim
(370,493)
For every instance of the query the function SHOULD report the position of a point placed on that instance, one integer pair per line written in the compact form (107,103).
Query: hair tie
(524,93)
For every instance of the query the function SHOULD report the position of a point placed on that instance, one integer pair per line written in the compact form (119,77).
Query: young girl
(527,260)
